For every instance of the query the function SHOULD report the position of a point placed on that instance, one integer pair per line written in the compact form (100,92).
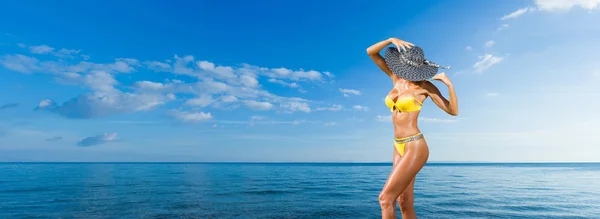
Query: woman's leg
(402,175)
(406,199)
(406,202)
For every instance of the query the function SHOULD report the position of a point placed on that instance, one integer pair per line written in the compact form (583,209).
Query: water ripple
(293,190)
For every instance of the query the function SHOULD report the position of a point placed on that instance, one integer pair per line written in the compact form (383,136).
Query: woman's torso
(406,122)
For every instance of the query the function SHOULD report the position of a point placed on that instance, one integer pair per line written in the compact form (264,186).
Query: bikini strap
(417,100)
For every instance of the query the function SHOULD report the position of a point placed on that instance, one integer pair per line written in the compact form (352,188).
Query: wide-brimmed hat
(411,64)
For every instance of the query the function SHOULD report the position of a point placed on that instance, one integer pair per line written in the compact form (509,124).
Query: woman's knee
(406,203)
(386,199)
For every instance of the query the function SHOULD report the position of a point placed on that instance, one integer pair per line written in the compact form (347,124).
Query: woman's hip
(411,142)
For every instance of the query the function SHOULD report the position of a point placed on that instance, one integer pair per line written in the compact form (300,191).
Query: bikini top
(403,104)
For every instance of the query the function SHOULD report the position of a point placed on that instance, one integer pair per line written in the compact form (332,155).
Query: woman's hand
(443,78)
(449,106)
(400,44)
(374,50)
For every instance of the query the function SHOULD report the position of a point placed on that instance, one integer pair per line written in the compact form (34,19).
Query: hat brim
(405,70)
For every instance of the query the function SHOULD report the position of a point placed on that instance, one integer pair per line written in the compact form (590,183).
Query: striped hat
(411,64)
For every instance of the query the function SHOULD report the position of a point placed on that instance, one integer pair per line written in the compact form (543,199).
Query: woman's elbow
(370,52)
(453,112)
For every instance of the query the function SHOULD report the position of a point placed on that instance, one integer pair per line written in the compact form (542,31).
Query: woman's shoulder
(424,87)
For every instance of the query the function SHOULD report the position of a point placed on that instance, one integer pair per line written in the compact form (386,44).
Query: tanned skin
(400,183)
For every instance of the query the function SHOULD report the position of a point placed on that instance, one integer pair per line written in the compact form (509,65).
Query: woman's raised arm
(450,107)
(374,50)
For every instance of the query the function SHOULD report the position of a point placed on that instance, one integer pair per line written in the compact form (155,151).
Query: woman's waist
(405,132)
(405,118)
(405,125)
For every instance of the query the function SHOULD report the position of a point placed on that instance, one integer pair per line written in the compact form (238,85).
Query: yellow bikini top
(403,104)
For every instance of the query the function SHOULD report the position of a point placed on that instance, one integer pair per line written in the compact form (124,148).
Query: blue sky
(291,81)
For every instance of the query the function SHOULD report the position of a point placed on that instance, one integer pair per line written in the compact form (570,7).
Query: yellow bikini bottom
(399,143)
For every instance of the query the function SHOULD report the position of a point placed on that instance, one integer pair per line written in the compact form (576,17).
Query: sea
(293,190)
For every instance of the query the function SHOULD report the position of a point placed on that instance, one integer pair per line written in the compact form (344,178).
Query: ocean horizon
(293,190)
(291,162)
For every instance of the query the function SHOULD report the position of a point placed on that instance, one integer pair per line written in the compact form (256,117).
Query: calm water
(195,190)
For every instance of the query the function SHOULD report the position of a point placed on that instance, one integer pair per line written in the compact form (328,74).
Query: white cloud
(492,94)
(468,48)
(335,107)
(100,105)
(255,120)
(348,92)
(68,52)
(249,81)
(554,6)
(297,122)
(208,85)
(490,43)
(256,105)
(201,101)
(225,85)
(242,83)
(129,61)
(287,84)
(226,73)
(43,49)
(191,116)
(105,100)
(503,26)
(383,118)
(515,14)
(45,103)
(97,140)
(486,61)
(26,64)
(20,63)
(232,74)
(565,5)
(228,99)
(329,123)
(181,63)
(436,120)
(361,108)
(158,66)
(290,74)
(149,85)
(293,106)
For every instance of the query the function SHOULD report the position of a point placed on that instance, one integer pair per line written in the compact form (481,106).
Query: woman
(410,73)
